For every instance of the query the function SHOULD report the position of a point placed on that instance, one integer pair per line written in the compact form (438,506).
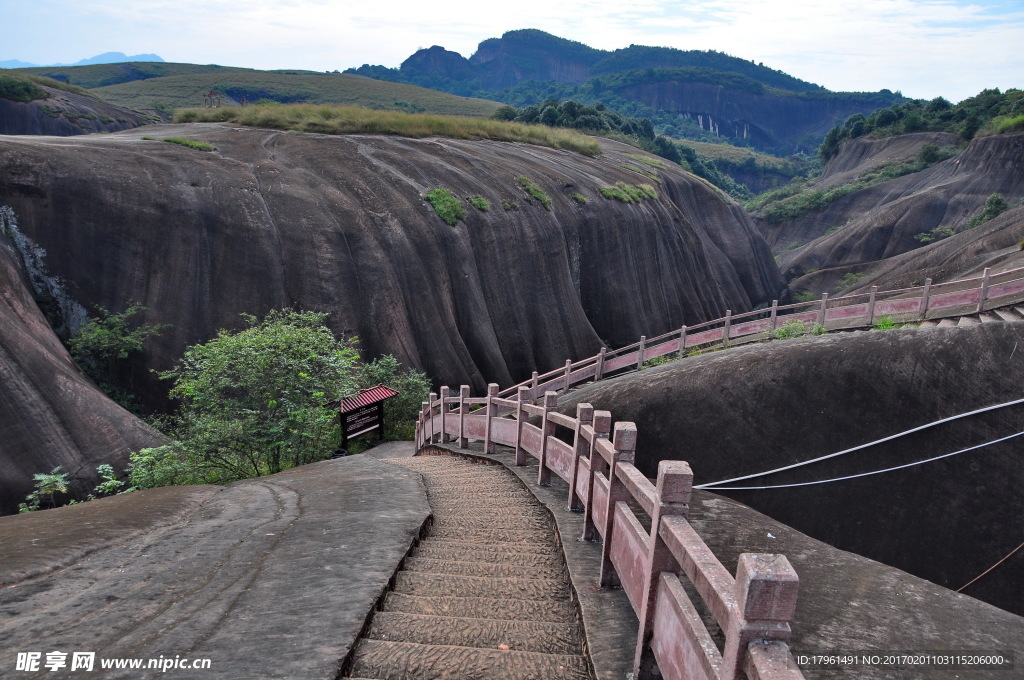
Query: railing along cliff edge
(753,608)
(954,298)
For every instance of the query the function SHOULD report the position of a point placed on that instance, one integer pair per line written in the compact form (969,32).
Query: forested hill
(687,93)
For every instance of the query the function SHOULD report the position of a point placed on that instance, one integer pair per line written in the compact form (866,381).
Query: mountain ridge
(105,58)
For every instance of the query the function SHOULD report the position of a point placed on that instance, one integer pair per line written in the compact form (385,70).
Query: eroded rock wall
(339,224)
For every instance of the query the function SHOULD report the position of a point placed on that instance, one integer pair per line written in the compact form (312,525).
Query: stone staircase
(1008,313)
(484,596)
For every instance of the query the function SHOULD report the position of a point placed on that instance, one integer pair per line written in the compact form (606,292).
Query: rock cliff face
(65,113)
(881,222)
(49,414)
(752,409)
(339,224)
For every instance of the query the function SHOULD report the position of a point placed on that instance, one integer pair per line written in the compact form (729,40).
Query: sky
(922,48)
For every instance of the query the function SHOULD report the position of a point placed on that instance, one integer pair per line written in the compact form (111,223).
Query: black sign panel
(361,420)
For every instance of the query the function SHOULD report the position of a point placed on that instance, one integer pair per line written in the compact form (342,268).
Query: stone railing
(645,553)
(931,301)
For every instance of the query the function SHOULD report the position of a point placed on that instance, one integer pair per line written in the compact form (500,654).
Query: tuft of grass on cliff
(338,120)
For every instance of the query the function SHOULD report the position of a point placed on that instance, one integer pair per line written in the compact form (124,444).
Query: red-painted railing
(930,301)
(646,558)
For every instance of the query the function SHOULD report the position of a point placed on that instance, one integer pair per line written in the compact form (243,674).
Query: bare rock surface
(339,224)
(267,578)
(752,409)
(862,232)
(50,415)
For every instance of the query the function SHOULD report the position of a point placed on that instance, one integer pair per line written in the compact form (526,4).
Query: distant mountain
(105,58)
(692,94)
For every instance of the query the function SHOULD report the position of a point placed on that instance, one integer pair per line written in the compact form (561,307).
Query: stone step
(1008,314)
(416,583)
(946,323)
(523,636)
(989,317)
(441,543)
(411,661)
(480,607)
(968,321)
(492,535)
(930,323)
(475,523)
(468,552)
(427,565)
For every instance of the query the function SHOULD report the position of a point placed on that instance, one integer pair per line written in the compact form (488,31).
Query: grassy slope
(736,154)
(180,91)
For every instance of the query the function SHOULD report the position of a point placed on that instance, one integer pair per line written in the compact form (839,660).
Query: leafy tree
(413,389)
(110,484)
(104,342)
(259,399)
(506,113)
(48,485)
(995,205)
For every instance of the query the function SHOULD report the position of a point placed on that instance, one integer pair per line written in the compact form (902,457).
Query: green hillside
(165,87)
(183,91)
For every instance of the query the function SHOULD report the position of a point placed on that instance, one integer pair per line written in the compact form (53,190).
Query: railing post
(624,441)
(463,396)
(602,426)
(984,289)
(766,592)
(682,340)
(600,364)
(430,414)
(489,409)
(445,391)
(568,370)
(640,352)
(821,310)
(871,305)
(674,488)
(534,381)
(584,416)
(524,396)
(727,328)
(546,430)
(422,430)
(926,294)
(775,315)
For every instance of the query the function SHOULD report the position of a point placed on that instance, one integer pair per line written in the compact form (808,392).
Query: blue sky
(924,48)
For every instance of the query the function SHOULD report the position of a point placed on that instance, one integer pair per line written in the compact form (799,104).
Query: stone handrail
(646,558)
(939,300)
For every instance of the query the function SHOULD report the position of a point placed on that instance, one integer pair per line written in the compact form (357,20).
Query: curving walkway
(485,595)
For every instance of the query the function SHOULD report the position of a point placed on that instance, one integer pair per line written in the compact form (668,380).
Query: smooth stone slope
(51,415)
(339,224)
(756,408)
(268,578)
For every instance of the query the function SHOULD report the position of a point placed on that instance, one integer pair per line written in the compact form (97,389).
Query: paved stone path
(485,595)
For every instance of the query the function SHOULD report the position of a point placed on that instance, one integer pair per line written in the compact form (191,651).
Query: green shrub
(936,234)
(995,205)
(509,206)
(110,484)
(534,191)
(805,296)
(191,143)
(849,280)
(48,485)
(20,89)
(790,329)
(446,205)
(479,203)
(579,198)
(885,323)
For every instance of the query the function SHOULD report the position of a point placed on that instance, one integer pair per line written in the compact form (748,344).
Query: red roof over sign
(370,395)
